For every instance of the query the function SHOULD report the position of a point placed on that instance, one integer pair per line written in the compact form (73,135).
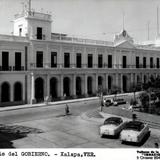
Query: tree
(115,91)
(144,98)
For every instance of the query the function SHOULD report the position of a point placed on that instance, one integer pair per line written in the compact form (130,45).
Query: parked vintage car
(108,102)
(118,101)
(134,131)
(112,126)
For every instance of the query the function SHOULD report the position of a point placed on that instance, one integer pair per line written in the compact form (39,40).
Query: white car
(112,126)
(134,131)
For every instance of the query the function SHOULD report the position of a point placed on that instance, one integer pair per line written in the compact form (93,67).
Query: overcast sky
(98,19)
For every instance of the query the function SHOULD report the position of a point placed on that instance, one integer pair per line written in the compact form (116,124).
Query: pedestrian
(67,109)
(156,145)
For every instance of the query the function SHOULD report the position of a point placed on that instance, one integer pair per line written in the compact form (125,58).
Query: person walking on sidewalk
(67,109)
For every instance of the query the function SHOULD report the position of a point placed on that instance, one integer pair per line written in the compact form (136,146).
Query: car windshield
(113,120)
(134,125)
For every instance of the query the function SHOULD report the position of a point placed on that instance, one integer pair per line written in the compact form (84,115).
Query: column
(106,82)
(0,93)
(85,85)
(96,84)
(74,86)
(84,58)
(60,58)
(32,89)
(117,82)
(142,78)
(61,87)
(121,84)
(48,86)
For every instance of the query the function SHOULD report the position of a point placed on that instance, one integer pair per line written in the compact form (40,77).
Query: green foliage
(144,98)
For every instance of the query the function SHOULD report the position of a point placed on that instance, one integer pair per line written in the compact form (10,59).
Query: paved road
(49,128)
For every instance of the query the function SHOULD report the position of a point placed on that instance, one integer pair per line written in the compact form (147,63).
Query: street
(49,127)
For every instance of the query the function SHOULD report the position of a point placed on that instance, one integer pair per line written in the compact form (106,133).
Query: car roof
(114,118)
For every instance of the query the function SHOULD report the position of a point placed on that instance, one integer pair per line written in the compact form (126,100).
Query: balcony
(11,68)
(94,66)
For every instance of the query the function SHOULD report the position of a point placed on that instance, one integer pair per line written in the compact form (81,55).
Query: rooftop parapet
(65,38)
(13,38)
(33,14)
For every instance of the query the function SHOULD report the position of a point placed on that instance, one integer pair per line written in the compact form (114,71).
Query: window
(100,61)
(78,60)
(90,61)
(39,59)
(137,62)
(5,61)
(151,62)
(39,33)
(66,60)
(157,62)
(20,31)
(17,61)
(53,59)
(144,62)
(124,62)
(109,61)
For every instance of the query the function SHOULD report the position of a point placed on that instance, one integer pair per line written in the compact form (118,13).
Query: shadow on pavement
(9,133)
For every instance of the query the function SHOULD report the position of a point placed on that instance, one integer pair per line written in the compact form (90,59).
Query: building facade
(36,64)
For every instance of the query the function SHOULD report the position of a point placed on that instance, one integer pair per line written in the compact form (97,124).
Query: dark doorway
(17,91)
(78,60)
(109,82)
(39,33)
(109,61)
(39,90)
(53,59)
(89,85)
(124,79)
(5,92)
(90,60)
(5,61)
(137,62)
(66,86)
(66,60)
(100,82)
(78,86)
(145,79)
(124,61)
(100,61)
(17,61)
(53,88)
(39,59)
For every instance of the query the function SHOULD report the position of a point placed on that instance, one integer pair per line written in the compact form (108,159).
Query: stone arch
(53,88)
(39,89)
(110,82)
(66,86)
(124,82)
(78,86)
(5,92)
(18,91)
(90,85)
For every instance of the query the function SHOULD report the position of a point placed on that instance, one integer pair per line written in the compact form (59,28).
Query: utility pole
(29,5)
(157,21)
(148,30)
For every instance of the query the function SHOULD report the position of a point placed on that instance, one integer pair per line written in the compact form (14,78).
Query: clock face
(124,33)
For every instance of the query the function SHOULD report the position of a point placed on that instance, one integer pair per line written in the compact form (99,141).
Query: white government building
(36,63)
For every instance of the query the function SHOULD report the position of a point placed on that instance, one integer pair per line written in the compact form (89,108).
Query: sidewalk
(9,108)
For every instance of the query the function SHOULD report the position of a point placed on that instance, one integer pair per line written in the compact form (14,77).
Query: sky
(96,19)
